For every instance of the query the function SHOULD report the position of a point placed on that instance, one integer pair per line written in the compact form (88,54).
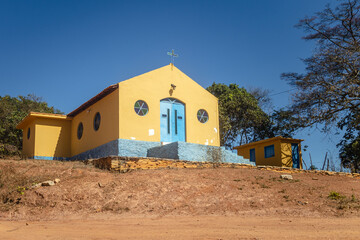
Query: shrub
(335,196)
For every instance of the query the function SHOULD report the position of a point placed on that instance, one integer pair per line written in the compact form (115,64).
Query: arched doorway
(172,120)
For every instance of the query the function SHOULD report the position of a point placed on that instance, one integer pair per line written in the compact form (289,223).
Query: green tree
(12,111)
(241,118)
(328,93)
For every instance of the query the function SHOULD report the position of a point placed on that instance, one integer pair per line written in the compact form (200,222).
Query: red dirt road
(185,227)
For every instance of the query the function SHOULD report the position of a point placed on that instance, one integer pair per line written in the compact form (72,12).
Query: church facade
(127,119)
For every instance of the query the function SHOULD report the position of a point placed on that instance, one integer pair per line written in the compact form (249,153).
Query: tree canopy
(12,111)
(328,93)
(241,118)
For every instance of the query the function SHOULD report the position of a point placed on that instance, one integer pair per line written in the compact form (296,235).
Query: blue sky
(68,51)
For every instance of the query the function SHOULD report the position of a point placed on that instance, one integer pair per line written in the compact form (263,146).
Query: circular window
(97,119)
(80,130)
(141,108)
(202,116)
(28,133)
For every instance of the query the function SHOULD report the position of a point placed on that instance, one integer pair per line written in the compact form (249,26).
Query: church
(162,113)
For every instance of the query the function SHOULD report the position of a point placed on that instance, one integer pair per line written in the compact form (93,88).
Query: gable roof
(112,88)
(269,140)
(100,96)
(93,100)
(32,115)
(165,68)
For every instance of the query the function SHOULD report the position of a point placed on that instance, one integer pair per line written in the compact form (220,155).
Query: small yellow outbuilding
(277,151)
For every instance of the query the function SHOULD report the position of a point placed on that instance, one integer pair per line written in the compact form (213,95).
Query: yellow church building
(162,113)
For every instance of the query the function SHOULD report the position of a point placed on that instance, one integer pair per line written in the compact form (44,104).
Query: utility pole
(323,167)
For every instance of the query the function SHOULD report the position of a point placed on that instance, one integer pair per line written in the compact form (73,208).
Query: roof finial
(173,55)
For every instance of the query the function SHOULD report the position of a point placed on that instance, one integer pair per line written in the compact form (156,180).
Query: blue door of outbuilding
(172,120)
(295,155)
(252,155)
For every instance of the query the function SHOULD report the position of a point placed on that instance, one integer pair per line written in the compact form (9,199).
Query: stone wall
(125,164)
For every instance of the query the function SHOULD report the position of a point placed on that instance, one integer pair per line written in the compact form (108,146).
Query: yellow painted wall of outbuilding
(108,107)
(286,152)
(260,153)
(52,137)
(282,148)
(156,85)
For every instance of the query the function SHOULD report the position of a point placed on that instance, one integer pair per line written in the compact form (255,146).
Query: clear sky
(68,51)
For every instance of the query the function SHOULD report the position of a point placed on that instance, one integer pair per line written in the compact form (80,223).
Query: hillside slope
(87,192)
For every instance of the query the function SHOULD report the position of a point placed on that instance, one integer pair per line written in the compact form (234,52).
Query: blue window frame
(269,151)
(252,155)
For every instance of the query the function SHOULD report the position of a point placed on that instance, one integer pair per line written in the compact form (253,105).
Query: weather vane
(173,55)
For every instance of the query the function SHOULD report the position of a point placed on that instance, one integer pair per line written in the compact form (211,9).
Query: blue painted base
(119,147)
(105,150)
(175,150)
(197,153)
(49,158)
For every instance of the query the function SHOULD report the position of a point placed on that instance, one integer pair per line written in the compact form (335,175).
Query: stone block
(286,177)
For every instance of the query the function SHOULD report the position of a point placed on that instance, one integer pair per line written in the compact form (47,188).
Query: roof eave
(33,115)
(269,140)
(94,100)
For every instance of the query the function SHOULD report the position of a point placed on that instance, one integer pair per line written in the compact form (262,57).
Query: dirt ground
(216,203)
(185,227)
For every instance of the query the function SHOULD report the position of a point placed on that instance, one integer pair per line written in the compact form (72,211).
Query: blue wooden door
(252,155)
(165,121)
(295,155)
(172,121)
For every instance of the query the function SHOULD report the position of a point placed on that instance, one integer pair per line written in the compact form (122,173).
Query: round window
(141,108)
(97,119)
(28,133)
(80,130)
(202,116)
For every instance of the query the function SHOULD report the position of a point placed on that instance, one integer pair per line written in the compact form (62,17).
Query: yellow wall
(29,144)
(283,153)
(286,152)
(154,86)
(260,153)
(52,137)
(109,125)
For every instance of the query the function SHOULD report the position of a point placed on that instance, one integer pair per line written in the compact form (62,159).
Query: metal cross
(173,55)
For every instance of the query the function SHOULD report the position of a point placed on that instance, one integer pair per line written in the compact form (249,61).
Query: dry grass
(343,202)
(13,183)
(17,178)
